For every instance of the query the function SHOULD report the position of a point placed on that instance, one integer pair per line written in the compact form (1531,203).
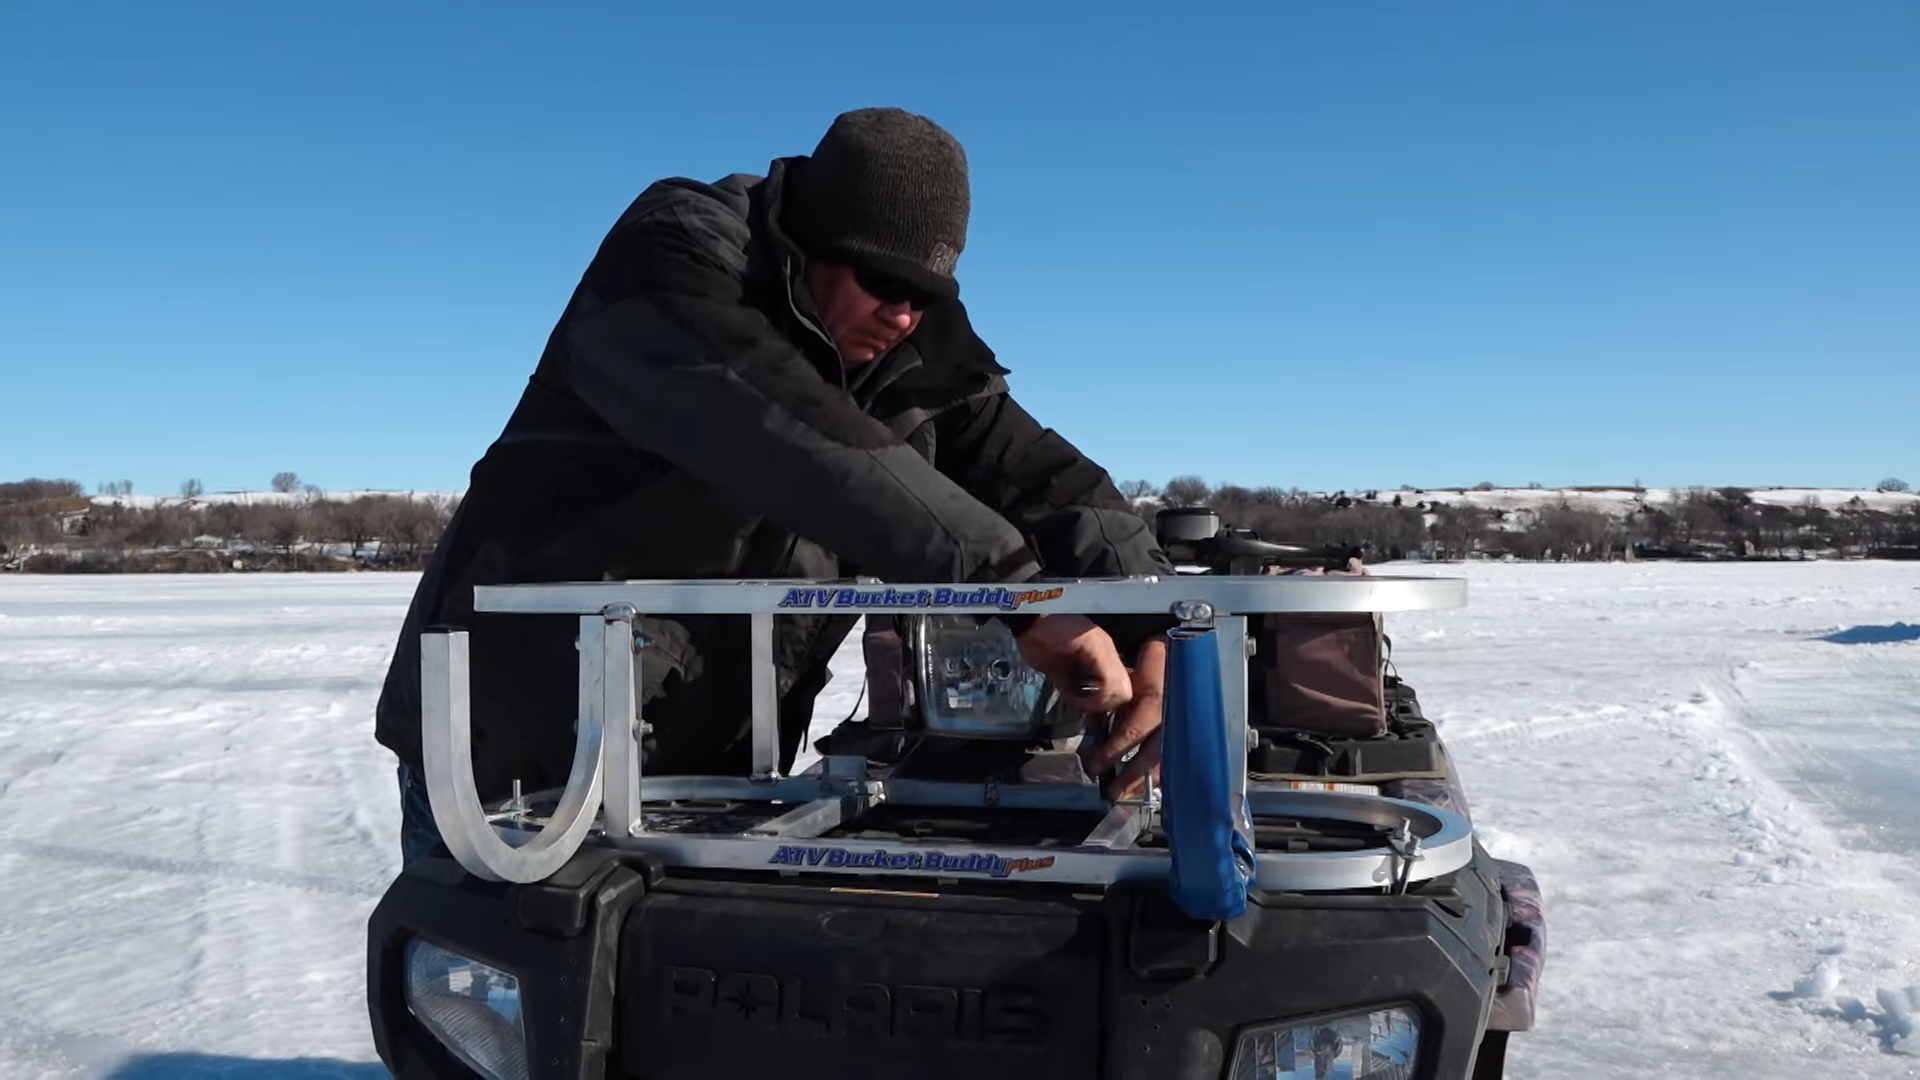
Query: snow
(1710,767)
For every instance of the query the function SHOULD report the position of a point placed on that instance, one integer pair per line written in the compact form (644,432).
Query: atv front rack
(1206,806)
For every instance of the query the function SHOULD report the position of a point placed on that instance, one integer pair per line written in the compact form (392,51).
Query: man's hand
(1079,659)
(1137,725)
(1073,653)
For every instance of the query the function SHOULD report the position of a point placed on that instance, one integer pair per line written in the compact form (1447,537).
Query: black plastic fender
(560,938)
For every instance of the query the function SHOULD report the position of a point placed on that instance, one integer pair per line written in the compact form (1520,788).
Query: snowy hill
(1615,501)
(1620,501)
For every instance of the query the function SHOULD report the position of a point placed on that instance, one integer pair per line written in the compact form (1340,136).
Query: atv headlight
(971,680)
(1378,1044)
(473,1009)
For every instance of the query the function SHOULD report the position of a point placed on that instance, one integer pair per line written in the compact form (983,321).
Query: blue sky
(1326,245)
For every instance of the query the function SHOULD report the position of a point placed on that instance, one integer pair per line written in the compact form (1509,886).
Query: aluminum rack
(607,800)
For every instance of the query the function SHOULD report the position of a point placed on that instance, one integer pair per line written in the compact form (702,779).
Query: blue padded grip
(1213,863)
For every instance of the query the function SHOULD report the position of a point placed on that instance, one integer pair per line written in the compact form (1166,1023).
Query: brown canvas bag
(1320,673)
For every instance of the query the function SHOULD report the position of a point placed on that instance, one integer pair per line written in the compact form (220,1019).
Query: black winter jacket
(689,419)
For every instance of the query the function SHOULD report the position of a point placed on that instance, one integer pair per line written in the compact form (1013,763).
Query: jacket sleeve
(1077,520)
(663,345)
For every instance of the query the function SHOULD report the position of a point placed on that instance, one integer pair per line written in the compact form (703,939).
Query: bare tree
(1458,531)
(1138,489)
(1386,532)
(1186,491)
(1891,483)
(1775,529)
(286,482)
(1695,515)
(285,526)
(354,522)
(190,489)
(37,490)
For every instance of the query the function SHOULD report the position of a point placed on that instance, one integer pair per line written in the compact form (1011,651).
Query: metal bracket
(766,701)
(447,750)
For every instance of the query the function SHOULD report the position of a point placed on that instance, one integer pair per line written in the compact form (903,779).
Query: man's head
(880,208)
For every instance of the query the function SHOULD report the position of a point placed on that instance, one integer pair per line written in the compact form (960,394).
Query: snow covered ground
(1715,769)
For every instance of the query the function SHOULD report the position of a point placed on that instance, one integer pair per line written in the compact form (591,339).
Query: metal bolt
(1193,611)
(1406,847)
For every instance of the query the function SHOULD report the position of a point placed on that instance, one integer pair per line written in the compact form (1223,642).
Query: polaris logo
(743,1001)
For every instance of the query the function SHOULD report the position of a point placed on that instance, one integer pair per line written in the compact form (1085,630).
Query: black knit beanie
(886,190)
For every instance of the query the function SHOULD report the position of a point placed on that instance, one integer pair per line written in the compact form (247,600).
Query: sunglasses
(888,289)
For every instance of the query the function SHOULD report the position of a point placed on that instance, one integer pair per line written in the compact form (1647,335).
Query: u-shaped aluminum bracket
(446,736)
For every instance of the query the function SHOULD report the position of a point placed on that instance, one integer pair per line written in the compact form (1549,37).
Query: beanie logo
(942,259)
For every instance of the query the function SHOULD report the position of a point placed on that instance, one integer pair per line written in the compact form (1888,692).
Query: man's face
(864,324)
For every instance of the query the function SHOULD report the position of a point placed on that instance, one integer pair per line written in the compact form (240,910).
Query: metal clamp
(1406,849)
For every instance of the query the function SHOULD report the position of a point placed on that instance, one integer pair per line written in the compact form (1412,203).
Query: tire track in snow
(197,868)
(1768,831)
(1549,726)
(33,1049)
(1784,843)
(201,933)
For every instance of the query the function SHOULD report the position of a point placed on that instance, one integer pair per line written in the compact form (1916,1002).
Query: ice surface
(1717,784)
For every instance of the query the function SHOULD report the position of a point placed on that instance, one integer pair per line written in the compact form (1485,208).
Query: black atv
(947,893)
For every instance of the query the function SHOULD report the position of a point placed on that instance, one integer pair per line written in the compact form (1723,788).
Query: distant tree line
(52,526)
(1694,523)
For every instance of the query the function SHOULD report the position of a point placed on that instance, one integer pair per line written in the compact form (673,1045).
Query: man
(768,377)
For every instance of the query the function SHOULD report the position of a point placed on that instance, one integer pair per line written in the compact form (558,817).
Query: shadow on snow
(182,1066)
(1873,635)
